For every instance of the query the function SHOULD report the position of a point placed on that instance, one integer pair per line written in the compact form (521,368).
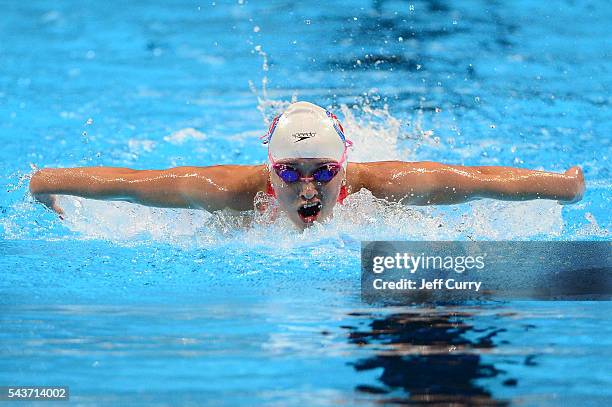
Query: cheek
(284,193)
(331,191)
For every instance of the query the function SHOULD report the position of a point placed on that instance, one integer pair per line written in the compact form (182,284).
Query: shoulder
(230,186)
(367,174)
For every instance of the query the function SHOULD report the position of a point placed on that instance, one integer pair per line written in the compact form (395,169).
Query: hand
(50,201)
(578,184)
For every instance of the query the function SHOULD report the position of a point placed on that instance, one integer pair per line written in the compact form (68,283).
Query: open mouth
(309,212)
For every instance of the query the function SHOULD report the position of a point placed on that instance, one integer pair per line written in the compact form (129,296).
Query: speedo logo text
(303,135)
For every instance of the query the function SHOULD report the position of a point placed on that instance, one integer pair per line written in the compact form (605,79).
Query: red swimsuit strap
(343,194)
(269,190)
(341,197)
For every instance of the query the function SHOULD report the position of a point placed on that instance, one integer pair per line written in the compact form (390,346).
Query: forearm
(209,188)
(517,184)
(426,183)
(88,182)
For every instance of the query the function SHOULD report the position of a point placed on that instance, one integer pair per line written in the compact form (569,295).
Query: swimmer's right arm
(209,188)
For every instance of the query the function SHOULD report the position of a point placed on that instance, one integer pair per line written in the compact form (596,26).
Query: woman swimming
(308,173)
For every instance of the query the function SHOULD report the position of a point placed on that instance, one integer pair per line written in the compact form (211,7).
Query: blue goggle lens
(289,175)
(325,174)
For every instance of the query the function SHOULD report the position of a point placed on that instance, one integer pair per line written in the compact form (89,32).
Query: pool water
(126,304)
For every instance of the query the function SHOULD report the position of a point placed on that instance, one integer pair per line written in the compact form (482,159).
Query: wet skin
(236,186)
(293,196)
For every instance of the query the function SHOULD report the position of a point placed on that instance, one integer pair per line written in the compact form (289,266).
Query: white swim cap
(306,130)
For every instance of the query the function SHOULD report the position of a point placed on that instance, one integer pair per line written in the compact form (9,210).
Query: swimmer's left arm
(431,183)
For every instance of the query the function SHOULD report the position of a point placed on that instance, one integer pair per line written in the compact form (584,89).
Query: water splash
(268,107)
(179,137)
(362,217)
(377,135)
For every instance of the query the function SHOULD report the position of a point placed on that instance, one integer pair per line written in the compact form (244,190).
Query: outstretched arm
(425,183)
(210,188)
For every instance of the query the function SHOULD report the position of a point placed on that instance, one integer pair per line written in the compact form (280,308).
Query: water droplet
(454,22)
(411,7)
(400,39)
(256,29)
(307,22)
(89,121)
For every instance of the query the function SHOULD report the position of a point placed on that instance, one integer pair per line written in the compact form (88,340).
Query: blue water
(125,304)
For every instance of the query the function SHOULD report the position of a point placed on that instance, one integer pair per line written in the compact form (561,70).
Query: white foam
(362,217)
(377,135)
(181,136)
(138,147)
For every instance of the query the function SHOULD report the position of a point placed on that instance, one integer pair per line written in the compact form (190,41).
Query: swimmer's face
(307,201)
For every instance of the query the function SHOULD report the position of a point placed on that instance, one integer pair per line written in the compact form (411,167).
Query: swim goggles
(323,174)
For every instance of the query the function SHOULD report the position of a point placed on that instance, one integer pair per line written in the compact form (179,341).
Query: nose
(308,190)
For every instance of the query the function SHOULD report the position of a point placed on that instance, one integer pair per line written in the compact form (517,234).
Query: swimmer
(308,174)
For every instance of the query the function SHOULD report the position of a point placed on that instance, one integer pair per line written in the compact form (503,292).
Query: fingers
(50,201)
(57,209)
